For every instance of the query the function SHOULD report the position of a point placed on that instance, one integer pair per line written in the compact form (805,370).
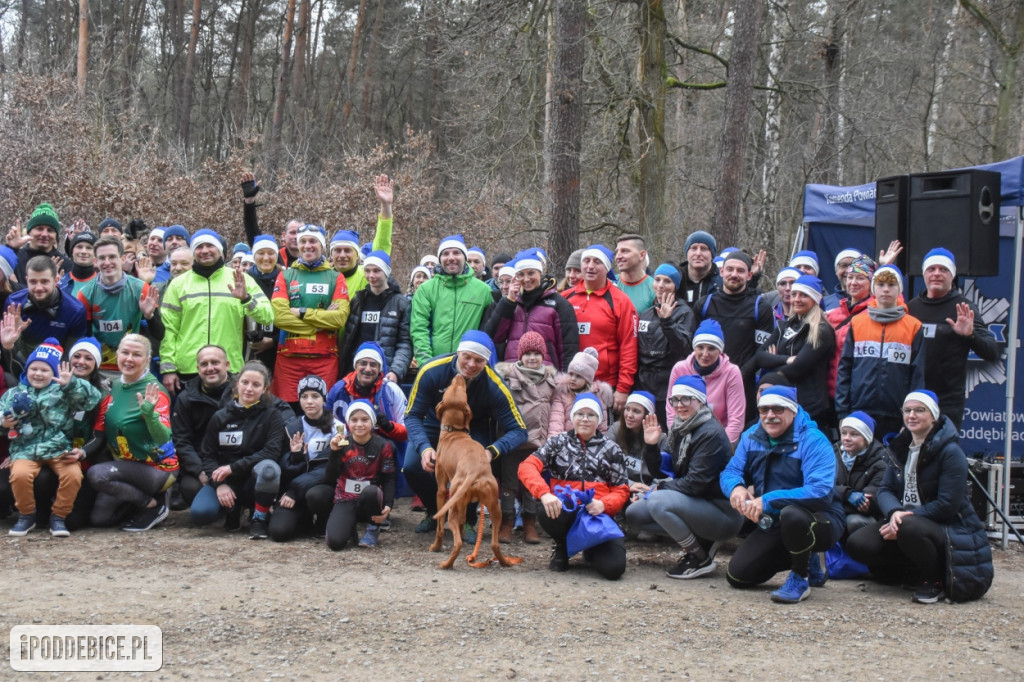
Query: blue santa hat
(808,258)
(942,257)
(586,400)
(476,341)
(264,241)
(346,238)
(690,385)
(381,259)
(206,236)
(454,241)
(779,396)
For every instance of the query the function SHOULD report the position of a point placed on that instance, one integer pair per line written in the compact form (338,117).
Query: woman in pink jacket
(723,380)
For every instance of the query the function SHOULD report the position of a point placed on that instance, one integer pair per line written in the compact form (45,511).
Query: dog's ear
(439,411)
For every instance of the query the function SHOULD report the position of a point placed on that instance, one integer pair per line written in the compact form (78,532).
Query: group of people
(296,380)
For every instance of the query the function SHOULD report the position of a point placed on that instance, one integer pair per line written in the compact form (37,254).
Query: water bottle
(765,522)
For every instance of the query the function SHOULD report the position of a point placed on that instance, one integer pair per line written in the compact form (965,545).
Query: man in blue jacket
(782,478)
(494,412)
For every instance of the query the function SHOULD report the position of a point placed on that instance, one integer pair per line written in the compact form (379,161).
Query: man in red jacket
(607,322)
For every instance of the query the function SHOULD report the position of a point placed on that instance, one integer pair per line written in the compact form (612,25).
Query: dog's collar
(445,427)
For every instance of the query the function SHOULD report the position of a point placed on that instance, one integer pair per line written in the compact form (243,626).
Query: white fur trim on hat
(709,339)
(374,260)
(359,406)
(199,240)
(598,254)
(846,253)
(787,273)
(642,401)
(684,390)
(474,347)
(368,353)
(507,270)
(808,291)
(94,351)
(804,260)
(585,402)
(529,264)
(940,259)
(452,244)
(858,426)
(924,399)
(769,399)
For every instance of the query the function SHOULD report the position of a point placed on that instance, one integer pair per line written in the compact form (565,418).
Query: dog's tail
(456,492)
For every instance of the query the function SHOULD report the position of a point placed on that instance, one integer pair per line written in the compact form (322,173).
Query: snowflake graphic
(995,313)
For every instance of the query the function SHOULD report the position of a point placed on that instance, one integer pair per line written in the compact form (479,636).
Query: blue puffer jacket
(799,469)
(942,485)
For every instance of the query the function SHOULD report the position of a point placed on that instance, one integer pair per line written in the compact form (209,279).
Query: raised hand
(888,257)
(152,395)
(964,325)
(144,269)
(666,304)
(250,188)
(15,237)
(758,264)
(297,441)
(652,430)
(238,290)
(64,374)
(384,189)
(12,326)
(148,301)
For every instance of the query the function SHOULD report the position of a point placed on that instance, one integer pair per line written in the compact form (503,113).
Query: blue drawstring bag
(841,566)
(587,530)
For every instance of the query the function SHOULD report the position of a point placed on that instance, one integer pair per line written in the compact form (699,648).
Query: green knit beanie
(44,215)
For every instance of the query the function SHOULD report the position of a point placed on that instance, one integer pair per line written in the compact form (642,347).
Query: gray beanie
(575,260)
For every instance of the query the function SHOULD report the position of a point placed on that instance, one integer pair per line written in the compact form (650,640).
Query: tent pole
(1011,369)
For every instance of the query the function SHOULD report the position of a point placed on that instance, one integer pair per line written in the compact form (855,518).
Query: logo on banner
(995,313)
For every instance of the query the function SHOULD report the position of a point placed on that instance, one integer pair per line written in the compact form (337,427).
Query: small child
(362,470)
(578,379)
(532,382)
(56,395)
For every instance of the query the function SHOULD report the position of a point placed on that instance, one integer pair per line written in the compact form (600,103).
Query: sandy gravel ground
(230,607)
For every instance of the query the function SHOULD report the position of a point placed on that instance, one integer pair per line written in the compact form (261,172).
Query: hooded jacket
(51,417)
(534,400)
(797,468)
(607,322)
(443,309)
(942,484)
(561,404)
(546,313)
(880,364)
(242,437)
(864,476)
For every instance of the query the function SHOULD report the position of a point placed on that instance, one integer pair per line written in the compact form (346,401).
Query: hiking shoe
(794,590)
(371,537)
(418,506)
(386,526)
(178,502)
(559,559)
(929,592)
(468,534)
(258,528)
(146,518)
(690,567)
(427,525)
(815,574)
(58,529)
(233,519)
(26,522)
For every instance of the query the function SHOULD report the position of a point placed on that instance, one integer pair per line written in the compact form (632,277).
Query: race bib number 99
(897,353)
(230,438)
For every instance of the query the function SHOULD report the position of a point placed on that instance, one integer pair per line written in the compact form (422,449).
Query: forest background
(550,122)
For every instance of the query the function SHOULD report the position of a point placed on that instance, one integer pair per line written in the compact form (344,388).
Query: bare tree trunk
(651,107)
(941,73)
(566,138)
(190,67)
(371,60)
(83,45)
(765,235)
(301,41)
(281,94)
(22,32)
(826,143)
(250,10)
(350,75)
(742,63)
(549,94)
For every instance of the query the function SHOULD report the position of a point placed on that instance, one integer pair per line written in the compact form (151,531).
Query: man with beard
(48,312)
(746,318)
(631,258)
(207,305)
(43,228)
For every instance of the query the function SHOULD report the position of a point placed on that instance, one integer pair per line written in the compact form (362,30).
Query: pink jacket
(561,403)
(725,394)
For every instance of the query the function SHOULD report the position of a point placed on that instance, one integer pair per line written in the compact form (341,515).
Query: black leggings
(785,546)
(341,524)
(608,558)
(122,487)
(285,524)
(919,544)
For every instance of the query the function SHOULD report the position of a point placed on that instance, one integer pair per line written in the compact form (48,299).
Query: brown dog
(466,466)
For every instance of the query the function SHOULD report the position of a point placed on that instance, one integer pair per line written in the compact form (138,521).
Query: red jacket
(607,322)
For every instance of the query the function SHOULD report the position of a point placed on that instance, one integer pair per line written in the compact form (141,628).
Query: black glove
(383,423)
(250,188)
(135,228)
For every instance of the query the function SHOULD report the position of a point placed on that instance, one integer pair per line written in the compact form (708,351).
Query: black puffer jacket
(661,343)
(392,330)
(942,484)
(243,437)
(864,476)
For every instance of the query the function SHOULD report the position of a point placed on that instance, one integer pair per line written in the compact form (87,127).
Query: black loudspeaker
(957,210)
(892,215)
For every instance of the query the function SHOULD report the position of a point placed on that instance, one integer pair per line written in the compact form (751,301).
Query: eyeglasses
(774,409)
(679,400)
(914,410)
(584,415)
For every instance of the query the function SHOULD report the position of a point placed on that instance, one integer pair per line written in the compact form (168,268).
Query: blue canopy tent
(844,217)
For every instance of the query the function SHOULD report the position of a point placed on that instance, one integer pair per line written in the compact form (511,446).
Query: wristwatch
(302,313)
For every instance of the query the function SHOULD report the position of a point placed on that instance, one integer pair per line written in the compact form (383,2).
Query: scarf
(315,264)
(705,371)
(51,306)
(261,276)
(82,272)
(115,288)
(849,459)
(207,270)
(886,315)
(534,376)
(681,433)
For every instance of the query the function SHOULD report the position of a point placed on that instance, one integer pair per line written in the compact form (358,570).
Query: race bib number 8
(584,327)
(230,438)
(110,326)
(355,487)
(371,316)
(316,289)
